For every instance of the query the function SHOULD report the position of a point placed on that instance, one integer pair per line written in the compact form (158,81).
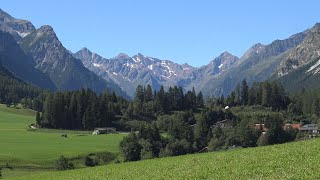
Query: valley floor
(29,152)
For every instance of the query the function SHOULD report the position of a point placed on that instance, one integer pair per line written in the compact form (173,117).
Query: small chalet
(227,123)
(105,130)
(310,128)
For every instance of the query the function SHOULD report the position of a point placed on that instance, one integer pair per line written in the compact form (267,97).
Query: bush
(105,157)
(177,148)
(147,149)
(89,161)
(262,141)
(216,144)
(63,164)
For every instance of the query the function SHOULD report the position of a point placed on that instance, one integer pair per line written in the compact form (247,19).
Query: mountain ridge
(122,73)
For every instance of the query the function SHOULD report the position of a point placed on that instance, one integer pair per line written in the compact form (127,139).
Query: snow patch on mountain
(314,66)
(96,65)
(23,34)
(150,67)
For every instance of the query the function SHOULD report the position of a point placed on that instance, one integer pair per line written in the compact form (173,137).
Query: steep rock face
(304,77)
(303,54)
(257,64)
(128,72)
(67,72)
(16,27)
(15,60)
(300,68)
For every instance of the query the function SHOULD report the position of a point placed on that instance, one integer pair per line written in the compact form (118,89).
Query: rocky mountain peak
(226,56)
(121,56)
(226,53)
(46,29)
(3,15)
(85,50)
(316,28)
(16,27)
(304,53)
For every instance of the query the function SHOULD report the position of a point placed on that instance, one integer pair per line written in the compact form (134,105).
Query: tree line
(83,110)
(268,94)
(86,110)
(14,91)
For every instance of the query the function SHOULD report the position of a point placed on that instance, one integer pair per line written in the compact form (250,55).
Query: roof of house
(309,127)
(294,126)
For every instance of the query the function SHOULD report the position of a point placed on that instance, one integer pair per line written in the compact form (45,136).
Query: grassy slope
(28,150)
(298,160)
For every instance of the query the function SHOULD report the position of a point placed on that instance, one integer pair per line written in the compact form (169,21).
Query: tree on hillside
(200,101)
(148,94)
(38,119)
(201,132)
(139,97)
(244,93)
(48,110)
(238,95)
(130,148)
(275,133)
(266,94)
(160,100)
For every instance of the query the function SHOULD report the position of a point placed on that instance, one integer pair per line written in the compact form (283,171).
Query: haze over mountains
(38,57)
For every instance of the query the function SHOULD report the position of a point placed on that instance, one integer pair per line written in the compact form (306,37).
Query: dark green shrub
(63,164)
(89,161)
(105,157)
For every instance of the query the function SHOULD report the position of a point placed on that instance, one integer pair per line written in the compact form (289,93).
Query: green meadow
(298,160)
(36,150)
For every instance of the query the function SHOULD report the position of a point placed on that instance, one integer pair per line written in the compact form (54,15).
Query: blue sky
(184,31)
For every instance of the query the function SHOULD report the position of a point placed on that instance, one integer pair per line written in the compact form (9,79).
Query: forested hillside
(14,90)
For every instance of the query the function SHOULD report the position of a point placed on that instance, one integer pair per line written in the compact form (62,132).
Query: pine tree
(201,132)
(139,97)
(200,102)
(160,100)
(48,110)
(244,93)
(38,119)
(73,107)
(266,94)
(238,95)
(194,98)
(230,101)
(148,94)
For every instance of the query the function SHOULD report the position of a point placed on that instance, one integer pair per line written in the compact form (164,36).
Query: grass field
(29,151)
(298,160)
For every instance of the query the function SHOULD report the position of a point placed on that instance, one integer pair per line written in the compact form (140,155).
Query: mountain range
(220,76)
(38,57)
(28,51)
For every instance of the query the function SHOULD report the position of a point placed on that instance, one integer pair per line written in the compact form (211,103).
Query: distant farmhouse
(307,128)
(104,130)
(310,128)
